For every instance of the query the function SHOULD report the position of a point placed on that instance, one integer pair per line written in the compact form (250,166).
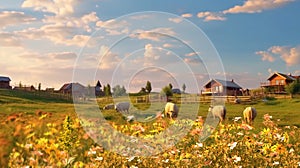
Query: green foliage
(170,86)
(119,91)
(183,88)
(148,87)
(293,88)
(68,139)
(167,90)
(107,90)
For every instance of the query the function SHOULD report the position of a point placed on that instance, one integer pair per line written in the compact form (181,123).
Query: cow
(218,111)
(249,114)
(171,110)
(109,106)
(122,107)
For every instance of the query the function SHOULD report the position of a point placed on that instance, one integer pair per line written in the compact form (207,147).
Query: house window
(277,82)
(282,82)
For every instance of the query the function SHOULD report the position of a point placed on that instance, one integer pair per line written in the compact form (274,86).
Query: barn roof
(68,86)
(230,84)
(4,79)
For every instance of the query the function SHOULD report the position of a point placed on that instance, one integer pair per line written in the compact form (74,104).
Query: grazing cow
(122,107)
(109,106)
(218,111)
(237,101)
(249,114)
(171,110)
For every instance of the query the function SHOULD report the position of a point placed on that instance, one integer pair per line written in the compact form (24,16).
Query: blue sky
(44,41)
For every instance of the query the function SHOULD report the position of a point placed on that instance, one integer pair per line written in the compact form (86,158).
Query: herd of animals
(171,110)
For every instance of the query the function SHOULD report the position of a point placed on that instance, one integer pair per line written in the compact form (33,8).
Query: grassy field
(20,110)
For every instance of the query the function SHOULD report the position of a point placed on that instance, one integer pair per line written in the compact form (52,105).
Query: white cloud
(58,7)
(192,54)
(167,45)
(114,27)
(175,20)
(256,6)
(9,40)
(187,15)
(290,55)
(192,60)
(108,59)
(151,55)
(266,56)
(63,55)
(154,34)
(11,18)
(210,16)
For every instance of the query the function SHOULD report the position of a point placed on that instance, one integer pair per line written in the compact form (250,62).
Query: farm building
(25,88)
(277,82)
(72,88)
(95,90)
(222,88)
(4,82)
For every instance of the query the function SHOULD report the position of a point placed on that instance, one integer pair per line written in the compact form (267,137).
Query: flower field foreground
(231,145)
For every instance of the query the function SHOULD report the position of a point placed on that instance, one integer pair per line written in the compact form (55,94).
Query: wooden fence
(190,99)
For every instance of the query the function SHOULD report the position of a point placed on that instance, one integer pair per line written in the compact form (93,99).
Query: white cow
(171,110)
(109,106)
(218,111)
(249,114)
(122,107)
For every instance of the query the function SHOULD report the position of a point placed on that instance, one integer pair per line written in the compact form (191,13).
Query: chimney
(290,74)
(232,80)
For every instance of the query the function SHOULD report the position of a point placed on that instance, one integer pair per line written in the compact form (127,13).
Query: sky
(53,42)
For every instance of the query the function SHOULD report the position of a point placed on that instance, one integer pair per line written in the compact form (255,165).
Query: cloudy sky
(129,42)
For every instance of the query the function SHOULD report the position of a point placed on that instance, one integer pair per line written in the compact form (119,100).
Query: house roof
(68,86)
(4,79)
(285,76)
(230,84)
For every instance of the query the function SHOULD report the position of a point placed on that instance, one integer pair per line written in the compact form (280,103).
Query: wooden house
(222,88)
(25,88)
(277,82)
(73,88)
(4,82)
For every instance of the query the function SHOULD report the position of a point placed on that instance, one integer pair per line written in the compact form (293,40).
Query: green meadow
(21,110)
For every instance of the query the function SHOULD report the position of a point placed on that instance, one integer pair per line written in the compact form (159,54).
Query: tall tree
(39,87)
(107,90)
(119,91)
(148,87)
(171,86)
(167,91)
(293,88)
(183,88)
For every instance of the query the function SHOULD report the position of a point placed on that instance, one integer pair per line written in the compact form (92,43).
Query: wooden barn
(277,82)
(222,88)
(73,88)
(4,82)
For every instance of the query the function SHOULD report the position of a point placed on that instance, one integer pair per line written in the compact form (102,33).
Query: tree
(119,91)
(293,88)
(167,90)
(107,90)
(171,86)
(39,87)
(183,88)
(20,84)
(148,87)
